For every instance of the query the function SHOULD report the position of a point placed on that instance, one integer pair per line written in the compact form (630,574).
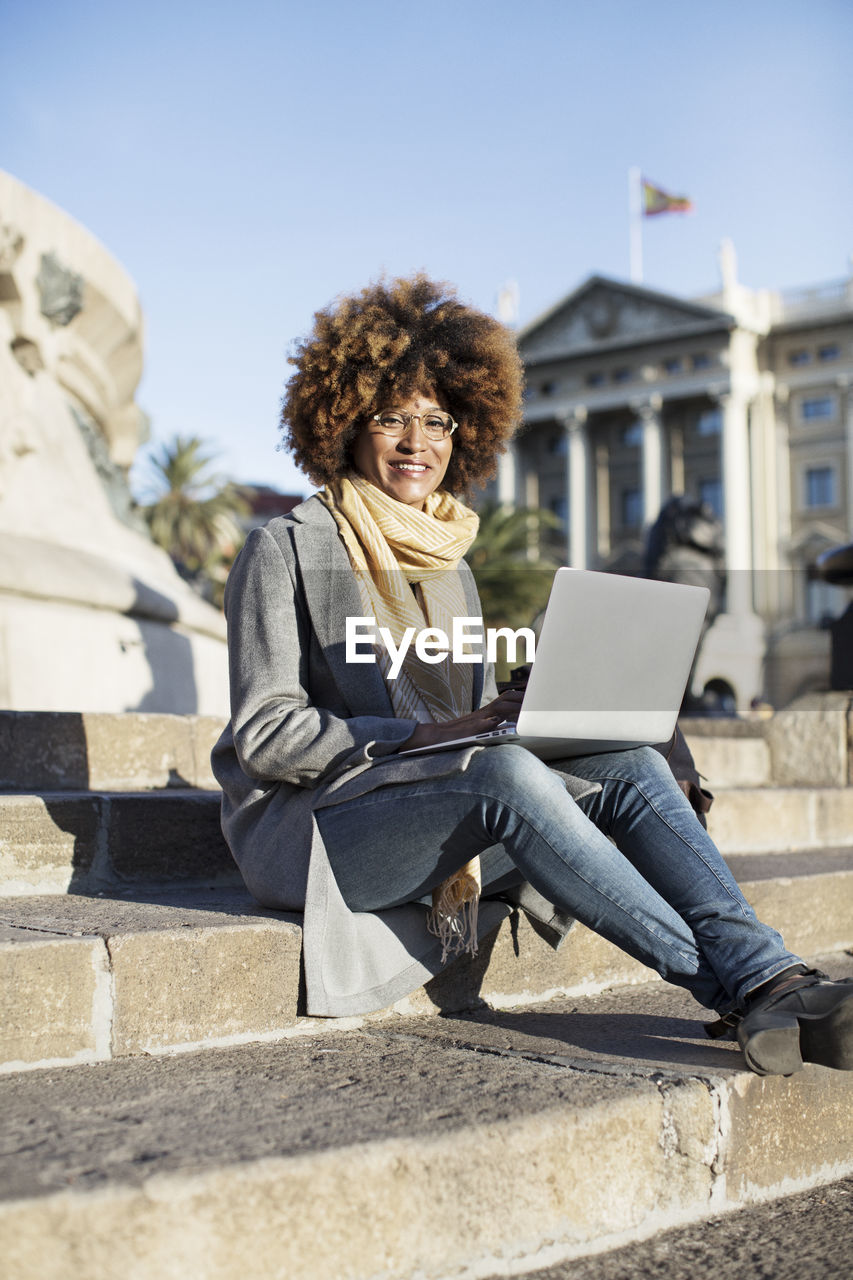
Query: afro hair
(395,338)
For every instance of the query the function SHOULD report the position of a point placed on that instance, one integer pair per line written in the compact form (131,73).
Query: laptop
(612,662)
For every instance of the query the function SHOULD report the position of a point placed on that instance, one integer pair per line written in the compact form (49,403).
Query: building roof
(604,314)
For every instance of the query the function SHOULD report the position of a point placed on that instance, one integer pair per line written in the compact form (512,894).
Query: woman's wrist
(425,735)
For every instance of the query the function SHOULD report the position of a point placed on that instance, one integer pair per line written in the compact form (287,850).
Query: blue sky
(246,163)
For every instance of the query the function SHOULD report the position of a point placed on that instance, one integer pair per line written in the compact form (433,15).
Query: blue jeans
(664,895)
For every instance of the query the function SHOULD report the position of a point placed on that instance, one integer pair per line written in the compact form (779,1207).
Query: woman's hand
(504,707)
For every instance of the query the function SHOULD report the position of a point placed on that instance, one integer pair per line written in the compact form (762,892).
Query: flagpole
(635,224)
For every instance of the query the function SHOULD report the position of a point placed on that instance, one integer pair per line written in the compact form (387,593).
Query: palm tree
(511,567)
(194,516)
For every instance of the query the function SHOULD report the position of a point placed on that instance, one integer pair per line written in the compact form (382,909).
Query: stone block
(66,751)
(205,732)
(168,836)
(43,751)
(48,843)
(808,741)
(775,819)
(814,913)
(834,816)
(54,999)
(514,965)
(87,842)
(197,968)
(194,985)
(771,819)
(731,761)
(136,752)
(584,962)
(787,1131)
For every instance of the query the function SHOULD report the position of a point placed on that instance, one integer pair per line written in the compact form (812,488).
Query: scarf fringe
(454,915)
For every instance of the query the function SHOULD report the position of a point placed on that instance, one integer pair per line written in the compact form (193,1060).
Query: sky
(247,163)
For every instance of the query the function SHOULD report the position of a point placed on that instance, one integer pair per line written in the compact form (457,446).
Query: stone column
(676,460)
(786,595)
(737,504)
(528,495)
(577,485)
(846,392)
(654,461)
(602,500)
(531,486)
(734,647)
(507,480)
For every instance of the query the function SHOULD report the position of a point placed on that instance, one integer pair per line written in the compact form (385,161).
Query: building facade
(743,400)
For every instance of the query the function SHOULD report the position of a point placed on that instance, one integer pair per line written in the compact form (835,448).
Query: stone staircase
(170,1110)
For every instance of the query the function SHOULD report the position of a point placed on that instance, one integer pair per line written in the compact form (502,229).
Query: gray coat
(308,730)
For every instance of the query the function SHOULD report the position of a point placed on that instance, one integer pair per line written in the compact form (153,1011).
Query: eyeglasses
(434,424)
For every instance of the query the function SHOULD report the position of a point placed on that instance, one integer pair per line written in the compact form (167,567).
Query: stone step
(809,743)
(759,819)
(804,1233)
(87,842)
(136,751)
(806,743)
(67,751)
(483,1145)
(730,753)
(85,978)
(98,751)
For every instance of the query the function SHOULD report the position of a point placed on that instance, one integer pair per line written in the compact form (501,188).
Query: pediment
(605,313)
(817,537)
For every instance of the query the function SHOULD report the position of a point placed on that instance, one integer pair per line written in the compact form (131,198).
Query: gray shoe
(803,1017)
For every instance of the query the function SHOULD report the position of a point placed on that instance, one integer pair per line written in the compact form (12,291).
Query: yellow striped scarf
(394,547)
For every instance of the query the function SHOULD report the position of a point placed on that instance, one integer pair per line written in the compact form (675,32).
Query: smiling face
(409,467)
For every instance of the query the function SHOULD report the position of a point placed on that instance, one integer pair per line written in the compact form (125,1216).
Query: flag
(656,201)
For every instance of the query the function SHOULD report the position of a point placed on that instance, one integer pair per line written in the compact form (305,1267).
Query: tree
(194,516)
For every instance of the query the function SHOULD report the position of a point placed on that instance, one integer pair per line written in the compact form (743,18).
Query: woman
(402,398)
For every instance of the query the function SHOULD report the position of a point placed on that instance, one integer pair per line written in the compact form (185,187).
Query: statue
(93,616)
(61,290)
(685,544)
(835,566)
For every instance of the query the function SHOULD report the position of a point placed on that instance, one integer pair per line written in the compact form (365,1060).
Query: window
(831,351)
(632,508)
(817,407)
(632,436)
(557,443)
(820,487)
(801,356)
(595,379)
(548,388)
(711,491)
(710,422)
(673,365)
(701,361)
(622,375)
